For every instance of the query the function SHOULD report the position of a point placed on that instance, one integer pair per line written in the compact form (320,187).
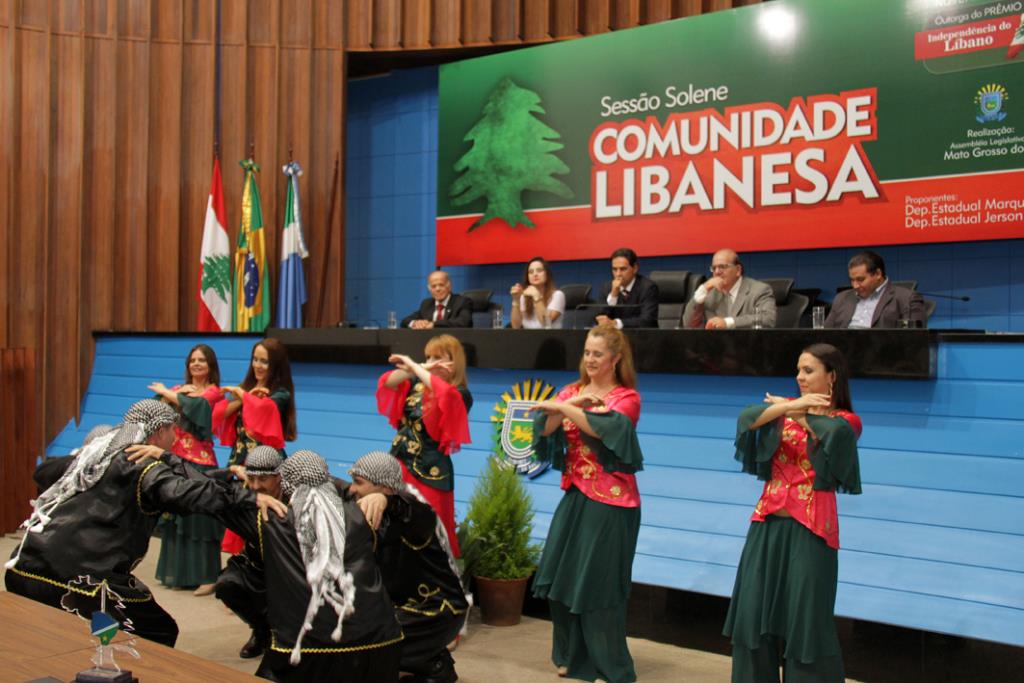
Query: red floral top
(191,447)
(582,468)
(792,484)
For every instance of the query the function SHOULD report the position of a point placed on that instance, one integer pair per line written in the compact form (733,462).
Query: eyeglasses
(721,266)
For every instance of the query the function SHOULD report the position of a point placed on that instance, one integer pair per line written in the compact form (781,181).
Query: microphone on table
(945,296)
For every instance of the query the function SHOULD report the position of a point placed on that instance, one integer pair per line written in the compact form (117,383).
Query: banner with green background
(788,125)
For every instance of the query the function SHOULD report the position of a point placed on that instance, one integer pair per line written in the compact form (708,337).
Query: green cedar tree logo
(217,275)
(512,152)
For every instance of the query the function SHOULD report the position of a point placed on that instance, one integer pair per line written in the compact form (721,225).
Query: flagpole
(327,246)
(216,85)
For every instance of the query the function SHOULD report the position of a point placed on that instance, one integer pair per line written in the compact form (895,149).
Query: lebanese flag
(215,262)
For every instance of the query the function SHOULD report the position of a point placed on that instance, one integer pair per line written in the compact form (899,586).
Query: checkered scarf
(263,460)
(141,421)
(320,528)
(382,469)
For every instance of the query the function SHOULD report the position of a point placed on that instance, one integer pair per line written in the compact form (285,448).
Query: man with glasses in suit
(729,300)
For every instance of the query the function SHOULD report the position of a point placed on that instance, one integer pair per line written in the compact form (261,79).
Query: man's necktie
(440,312)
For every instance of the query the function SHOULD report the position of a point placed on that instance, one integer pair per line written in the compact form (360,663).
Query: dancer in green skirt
(589,433)
(190,544)
(784,598)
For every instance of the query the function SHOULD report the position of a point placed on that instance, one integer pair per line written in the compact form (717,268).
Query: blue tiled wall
(391,183)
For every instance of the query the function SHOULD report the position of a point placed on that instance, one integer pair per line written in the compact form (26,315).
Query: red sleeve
(568,392)
(224,426)
(444,416)
(214,395)
(626,402)
(391,402)
(853,420)
(262,420)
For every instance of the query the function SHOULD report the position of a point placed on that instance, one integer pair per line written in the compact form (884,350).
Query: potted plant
(495,540)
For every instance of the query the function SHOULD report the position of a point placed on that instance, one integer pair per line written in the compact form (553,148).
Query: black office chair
(576,295)
(908,284)
(483,307)
(789,305)
(674,290)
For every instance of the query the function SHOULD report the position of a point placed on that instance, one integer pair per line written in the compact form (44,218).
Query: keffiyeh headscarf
(382,469)
(320,528)
(262,461)
(94,433)
(141,421)
(379,468)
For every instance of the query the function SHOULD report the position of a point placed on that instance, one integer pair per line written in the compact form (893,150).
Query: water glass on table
(818,317)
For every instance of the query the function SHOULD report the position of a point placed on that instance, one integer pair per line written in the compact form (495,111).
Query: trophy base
(104,676)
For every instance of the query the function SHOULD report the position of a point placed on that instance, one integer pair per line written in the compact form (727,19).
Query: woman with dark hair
(804,449)
(190,545)
(428,404)
(259,412)
(589,433)
(538,304)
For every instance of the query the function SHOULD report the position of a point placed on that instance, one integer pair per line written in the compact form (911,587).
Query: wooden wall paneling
(359,24)
(595,17)
(98,17)
(687,8)
(263,103)
(476,22)
(717,5)
(196,166)
(416,24)
(536,20)
(387,25)
(446,23)
(564,19)
(133,18)
(330,22)
(19,435)
(506,21)
(654,11)
(297,24)
(200,21)
(7,164)
(67,16)
(235,93)
(27,259)
(61,279)
(131,239)
(165,18)
(327,131)
(625,14)
(33,14)
(164,196)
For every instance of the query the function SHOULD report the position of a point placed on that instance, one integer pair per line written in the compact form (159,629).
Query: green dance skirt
(587,562)
(785,587)
(189,548)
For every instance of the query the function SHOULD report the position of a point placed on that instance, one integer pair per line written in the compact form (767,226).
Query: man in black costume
(241,585)
(93,525)
(330,616)
(416,561)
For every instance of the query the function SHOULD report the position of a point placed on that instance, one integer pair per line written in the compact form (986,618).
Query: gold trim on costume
(332,650)
(73,589)
(138,489)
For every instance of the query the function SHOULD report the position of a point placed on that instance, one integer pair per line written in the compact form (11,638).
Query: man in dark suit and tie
(636,295)
(874,301)
(442,309)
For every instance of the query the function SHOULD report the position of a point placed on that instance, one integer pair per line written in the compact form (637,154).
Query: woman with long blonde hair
(428,404)
(589,433)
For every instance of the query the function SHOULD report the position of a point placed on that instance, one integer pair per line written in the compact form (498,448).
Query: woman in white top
(538,305)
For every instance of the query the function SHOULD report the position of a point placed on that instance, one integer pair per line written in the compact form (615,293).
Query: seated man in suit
(442,309)
(636,295)
(874,301)
(729,300)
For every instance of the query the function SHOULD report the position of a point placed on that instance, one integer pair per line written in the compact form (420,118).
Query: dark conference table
(894,354)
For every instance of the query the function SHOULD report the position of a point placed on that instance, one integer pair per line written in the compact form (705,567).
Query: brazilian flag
(250,289)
